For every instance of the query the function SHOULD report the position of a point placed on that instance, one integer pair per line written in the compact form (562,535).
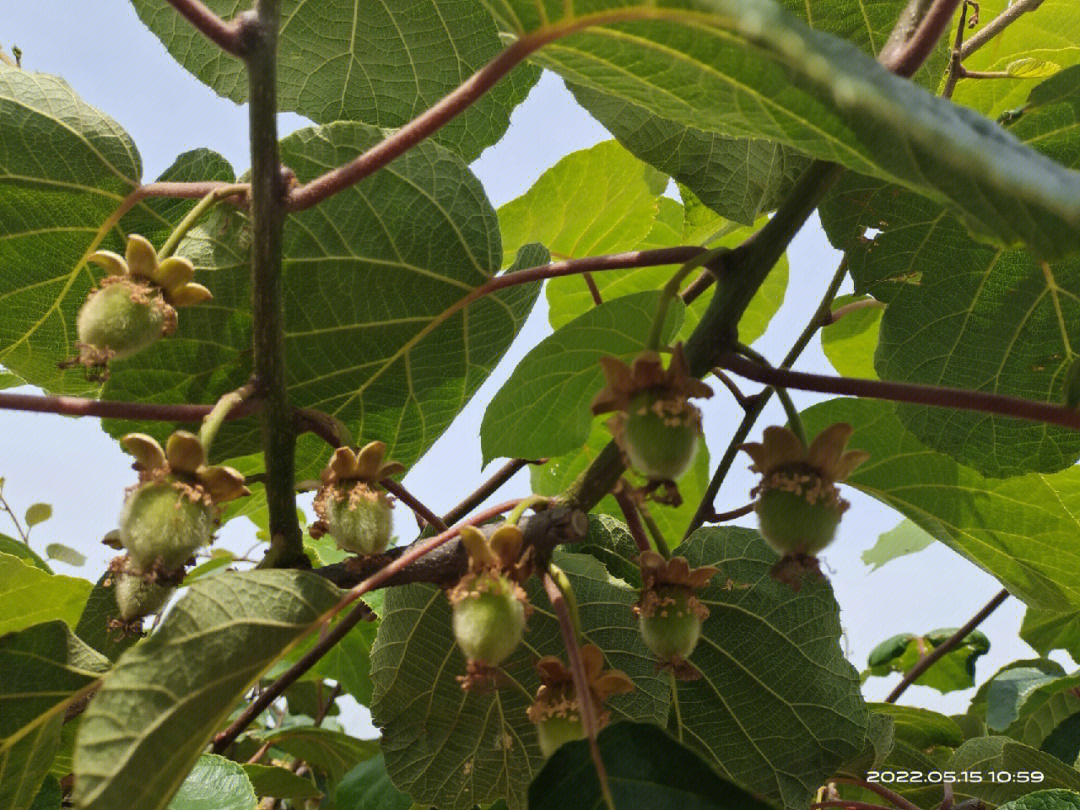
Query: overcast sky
(103,50)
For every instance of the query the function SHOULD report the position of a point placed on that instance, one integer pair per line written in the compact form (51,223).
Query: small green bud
(121,318)
(488,618)
(671,626)
(555,731)
(161,521)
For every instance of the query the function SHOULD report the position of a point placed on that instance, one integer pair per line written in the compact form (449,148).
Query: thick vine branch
(906,59)
(933,395)
(229,36)
(946,646)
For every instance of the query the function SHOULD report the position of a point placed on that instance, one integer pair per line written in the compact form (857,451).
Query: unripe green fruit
(137,597)
(793,525)
(555,731)
(661,446)
(112,319)
(489,620)
(673,628)
(160,520)
(361,524)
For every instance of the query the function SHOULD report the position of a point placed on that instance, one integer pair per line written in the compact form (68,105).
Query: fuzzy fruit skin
(658,450)
(362,527)
(137,597)
(555,731)
(111,320)
(676,633)
(160,520)
(489,622)
(791,525)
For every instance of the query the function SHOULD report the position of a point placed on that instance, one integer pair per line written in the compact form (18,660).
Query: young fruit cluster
(135,303)
(488,603)
(167,516)
(655,426)
(797,502)
(669,612)
(350,506)
(556,710)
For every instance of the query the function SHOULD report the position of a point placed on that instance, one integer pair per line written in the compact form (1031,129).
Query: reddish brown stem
(847,804)
(410,500)
(882,791)
(594,291)
(632,516)
(226,35)
(581,680)
(907,59)
(78,406)
(946,646)
(936,396)
(341,629)
(486,489)
(723,517)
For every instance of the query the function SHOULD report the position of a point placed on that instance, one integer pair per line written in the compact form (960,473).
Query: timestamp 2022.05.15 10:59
(954,777)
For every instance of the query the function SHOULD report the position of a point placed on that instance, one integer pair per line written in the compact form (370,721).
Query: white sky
(113,62)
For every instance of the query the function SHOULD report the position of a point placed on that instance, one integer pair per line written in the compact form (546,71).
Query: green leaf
(778,708)
(281,783)
(1021,530)
(333,752)
(1001,754)
(543,409)
(65,554)
(879,742)
(94,623)
(32,596)
(50,797)
(1046,800)
(215,783)
(9,380)
(379,327)
(850,342)
(453,748)
(368,787)
(377,63)
(136,745)
(1047,630)
(219,558)
(954,670)
(37,513)
(978,706)
(1031,68)
(594,201)
(749,69)
(1049,34)
(1064,741)
(920,728)
(64,169)
(645,767)
(46,668)
(905,538)
(349,662)
(17,548)
(610,542)
(552,478)
(1008,691)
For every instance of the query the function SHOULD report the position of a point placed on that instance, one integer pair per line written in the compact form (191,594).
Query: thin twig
(410,500)
(946,646)
(882,791)
(581,682)
(854,306)
(24,535)
(229,36)
(956,67)
(110,409)
(999,24)
(729,384)
(630,515)
(594,291)
(734,514)
(654,531)
(850,805)
(488,488)
(274,690)
(933,395)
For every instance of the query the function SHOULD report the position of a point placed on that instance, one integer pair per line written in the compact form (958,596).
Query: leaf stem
(882,791)
(526,503)
(581,682)
(567,590)
(211,199)
(486,489)
(848,805)
(946,646)
(622,496)
(267,311)
(654,531)
(794,420)
(999,24)
(24,535)
(220,412)
(671,290)
(935,396)
(229,36)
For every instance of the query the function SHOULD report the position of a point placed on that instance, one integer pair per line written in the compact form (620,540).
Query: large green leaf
(1046,800)
(378,328)
(555,476)
(1021,530)
(1050,33)
(281,783)
(543,409)
(362,60)
(64,168)
(1002,755)
(368,787)
(17,548)
(646,770)
(778,708)
(1004,321)
(454,749)
(165,697)
(920,728)
(215,783)
(1047,630)
(324,749)
(32,596)
(748,68)
(42,669)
